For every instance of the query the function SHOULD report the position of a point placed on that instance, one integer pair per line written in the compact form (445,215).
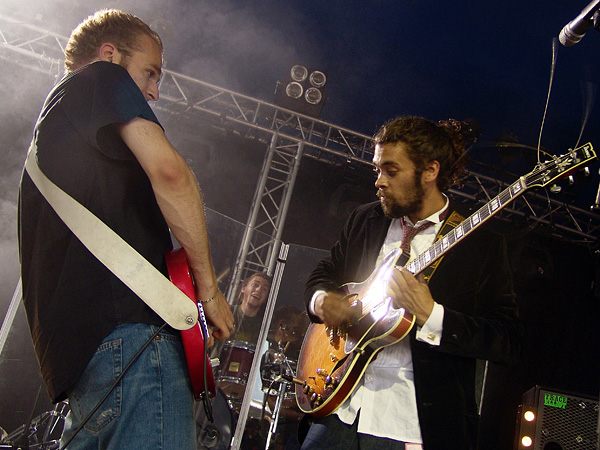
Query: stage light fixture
(298,73)
(318,79)
(303,90)
(313,96)
(294,90)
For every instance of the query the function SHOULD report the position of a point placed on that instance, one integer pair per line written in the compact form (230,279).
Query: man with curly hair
(419,392)
(98,140)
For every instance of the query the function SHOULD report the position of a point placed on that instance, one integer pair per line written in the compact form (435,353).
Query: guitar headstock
(560,166)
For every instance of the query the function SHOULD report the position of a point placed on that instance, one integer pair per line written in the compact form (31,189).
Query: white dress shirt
(386,395)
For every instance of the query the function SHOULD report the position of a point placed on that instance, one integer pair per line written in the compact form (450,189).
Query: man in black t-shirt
(98,140)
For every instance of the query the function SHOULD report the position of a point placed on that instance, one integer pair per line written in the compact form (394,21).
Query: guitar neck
(543,174)
(467,226)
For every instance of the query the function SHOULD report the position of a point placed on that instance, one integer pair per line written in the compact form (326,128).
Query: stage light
(313,96)
(298,73)
(318,79)
(294,90)
(303,90)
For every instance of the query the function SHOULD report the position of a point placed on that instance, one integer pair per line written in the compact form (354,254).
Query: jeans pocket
(94,383)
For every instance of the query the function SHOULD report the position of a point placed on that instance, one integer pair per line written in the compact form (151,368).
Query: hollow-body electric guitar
(198,362)
(332,361)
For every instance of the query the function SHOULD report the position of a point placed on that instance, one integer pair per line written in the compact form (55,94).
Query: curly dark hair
(428,141)
(108,25)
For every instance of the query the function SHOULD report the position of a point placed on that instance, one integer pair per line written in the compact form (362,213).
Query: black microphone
(574,31)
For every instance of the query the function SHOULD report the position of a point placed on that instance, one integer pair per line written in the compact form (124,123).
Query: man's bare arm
(180,201)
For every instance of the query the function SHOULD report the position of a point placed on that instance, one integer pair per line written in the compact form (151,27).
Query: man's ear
(108,52)
(431,171)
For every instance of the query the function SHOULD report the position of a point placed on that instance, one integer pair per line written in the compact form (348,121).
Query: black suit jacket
(474,284)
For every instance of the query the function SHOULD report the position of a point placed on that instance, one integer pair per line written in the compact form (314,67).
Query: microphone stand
(285,372)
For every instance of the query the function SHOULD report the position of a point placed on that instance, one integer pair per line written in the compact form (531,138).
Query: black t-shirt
(72,301)
(247,328)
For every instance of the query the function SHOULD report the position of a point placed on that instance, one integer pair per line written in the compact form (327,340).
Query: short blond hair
(108,25)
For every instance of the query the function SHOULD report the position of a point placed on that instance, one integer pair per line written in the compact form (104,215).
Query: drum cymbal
(287,325)
(283,335)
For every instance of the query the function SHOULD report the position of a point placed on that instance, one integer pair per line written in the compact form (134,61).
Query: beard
(393,209)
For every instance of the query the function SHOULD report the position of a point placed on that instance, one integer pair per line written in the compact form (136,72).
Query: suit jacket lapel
(376,230)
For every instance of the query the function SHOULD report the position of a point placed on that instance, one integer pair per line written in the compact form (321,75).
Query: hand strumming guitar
(335,310)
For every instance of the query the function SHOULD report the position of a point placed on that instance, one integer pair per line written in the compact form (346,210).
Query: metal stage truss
(290,136)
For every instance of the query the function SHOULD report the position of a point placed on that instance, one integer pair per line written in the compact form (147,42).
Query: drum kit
(277,369)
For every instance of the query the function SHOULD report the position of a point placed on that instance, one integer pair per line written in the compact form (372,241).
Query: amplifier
(553,420)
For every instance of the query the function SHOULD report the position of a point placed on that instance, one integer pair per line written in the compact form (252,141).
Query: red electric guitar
(198,361)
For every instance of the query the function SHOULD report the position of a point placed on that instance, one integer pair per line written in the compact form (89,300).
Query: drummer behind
(249,312)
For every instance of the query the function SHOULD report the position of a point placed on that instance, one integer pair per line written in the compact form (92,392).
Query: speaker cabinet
(552,420)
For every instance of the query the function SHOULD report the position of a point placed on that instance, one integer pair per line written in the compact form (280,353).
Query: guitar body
(193,339)
(331,362)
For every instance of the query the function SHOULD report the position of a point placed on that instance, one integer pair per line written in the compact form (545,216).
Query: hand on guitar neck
(411,293)
(218,315)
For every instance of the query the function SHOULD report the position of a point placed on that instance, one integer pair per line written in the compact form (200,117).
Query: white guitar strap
(172,305)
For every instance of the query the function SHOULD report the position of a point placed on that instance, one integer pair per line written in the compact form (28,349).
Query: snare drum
(236,362)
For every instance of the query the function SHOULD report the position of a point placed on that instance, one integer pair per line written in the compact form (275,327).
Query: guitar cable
(112,387)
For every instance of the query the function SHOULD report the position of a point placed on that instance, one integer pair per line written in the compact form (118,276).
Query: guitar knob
(307,389)
(315,398)
(322,372)
(328,380)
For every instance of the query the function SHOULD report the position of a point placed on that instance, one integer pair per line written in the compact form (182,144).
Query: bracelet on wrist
(208,300)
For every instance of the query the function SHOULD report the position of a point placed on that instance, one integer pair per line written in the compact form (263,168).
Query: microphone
(574,31)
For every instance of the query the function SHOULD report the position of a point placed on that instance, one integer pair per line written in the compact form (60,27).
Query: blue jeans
(330,433)
(152,407)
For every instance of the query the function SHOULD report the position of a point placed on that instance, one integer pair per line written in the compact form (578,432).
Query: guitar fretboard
(543,174)
(468,225)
